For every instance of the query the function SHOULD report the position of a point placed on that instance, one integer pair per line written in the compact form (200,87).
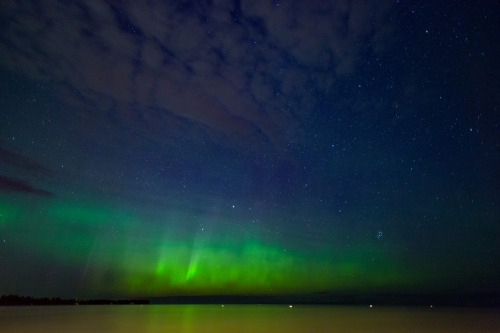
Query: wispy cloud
(24,168)
(9,184)
(232,72)
(22,162)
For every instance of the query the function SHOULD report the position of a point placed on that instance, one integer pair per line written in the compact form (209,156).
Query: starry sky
(164,148)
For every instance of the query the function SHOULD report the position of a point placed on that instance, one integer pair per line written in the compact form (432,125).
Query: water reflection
(245,318)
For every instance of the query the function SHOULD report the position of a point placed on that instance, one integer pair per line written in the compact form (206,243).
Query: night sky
(154,148)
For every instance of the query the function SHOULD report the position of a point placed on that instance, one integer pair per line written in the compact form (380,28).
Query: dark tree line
(28,300)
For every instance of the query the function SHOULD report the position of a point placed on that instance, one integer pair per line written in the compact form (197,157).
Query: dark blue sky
(350,131)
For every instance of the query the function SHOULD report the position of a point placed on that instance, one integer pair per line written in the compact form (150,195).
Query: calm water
(245,318)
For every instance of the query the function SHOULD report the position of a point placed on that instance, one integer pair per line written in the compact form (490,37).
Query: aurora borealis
(161,259)
(248,148)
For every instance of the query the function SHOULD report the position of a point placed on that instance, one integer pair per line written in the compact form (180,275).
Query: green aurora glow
(126,258)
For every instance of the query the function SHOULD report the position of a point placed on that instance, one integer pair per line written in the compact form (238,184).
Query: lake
(246,318)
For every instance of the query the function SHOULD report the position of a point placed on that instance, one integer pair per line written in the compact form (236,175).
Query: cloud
(21,162)
(13,162)
(9,184)
(233,73)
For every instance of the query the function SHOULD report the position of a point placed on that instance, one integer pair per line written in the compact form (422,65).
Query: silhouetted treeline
(27,300)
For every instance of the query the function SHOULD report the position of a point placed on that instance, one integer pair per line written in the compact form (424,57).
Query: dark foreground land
(13,300)
(490,300)
(463,300)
